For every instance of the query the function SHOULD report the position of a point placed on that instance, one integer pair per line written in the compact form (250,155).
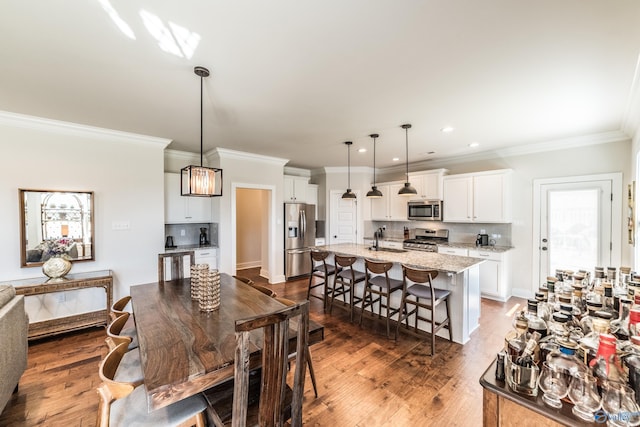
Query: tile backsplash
(191,233)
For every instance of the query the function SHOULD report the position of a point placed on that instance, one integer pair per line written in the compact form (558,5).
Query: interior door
(575,225)
(344,215)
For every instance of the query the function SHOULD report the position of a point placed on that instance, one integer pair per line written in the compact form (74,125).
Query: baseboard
(248,264)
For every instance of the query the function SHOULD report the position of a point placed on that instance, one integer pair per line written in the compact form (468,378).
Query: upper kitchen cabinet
(312,196)
(180,209)
(428,184)
(391,206)
(295,189)
(477,197)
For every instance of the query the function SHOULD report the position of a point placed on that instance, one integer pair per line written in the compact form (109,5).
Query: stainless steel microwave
(425,210)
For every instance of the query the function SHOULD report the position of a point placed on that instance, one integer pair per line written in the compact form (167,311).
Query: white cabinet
(452,251)
(428,184)
(391,206)
(180,209)
(390,244)
(494,273)
(478,197)
(295,189)
(207,256)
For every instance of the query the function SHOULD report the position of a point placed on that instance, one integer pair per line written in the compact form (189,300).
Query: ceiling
(297,78)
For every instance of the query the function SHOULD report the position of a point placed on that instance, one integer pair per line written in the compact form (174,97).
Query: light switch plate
(120,225)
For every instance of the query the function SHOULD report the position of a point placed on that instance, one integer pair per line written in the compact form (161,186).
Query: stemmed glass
(554,384)
(583,392)
(619,402)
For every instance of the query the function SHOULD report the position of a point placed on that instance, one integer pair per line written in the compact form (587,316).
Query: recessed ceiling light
(447,129)
(395,159)
(474,144)
(362,150)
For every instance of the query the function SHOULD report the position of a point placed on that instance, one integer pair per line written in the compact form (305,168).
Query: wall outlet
(384,228)
(60,297)
(483,231)
(182,233)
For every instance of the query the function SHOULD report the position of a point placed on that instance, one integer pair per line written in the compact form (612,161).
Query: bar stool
(346,278)
(427,297)
(379,283)
(322,270)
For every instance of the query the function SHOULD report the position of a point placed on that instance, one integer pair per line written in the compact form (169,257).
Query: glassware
(534,322)
(618,401)
(583,392)
(606,365)
(553,384)
(516,345)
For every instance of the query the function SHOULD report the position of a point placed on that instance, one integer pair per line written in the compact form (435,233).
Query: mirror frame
(23,237)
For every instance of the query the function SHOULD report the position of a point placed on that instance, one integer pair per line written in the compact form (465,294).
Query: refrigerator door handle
(298,252)
(304,224)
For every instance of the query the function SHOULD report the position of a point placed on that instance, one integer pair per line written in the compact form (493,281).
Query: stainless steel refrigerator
(299,237)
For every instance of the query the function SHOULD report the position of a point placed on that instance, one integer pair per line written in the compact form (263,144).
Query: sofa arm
(14,325)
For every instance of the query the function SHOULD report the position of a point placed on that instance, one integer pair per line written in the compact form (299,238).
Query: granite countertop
(180,248)
(473,246)
(432,260)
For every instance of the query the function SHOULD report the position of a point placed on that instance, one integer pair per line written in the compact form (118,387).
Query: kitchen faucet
(376,234)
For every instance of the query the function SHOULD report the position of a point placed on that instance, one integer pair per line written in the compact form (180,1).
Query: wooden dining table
(185,351)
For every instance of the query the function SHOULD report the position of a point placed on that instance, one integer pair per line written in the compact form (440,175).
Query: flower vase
(56,267)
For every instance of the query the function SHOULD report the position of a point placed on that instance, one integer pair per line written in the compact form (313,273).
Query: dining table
(184,350)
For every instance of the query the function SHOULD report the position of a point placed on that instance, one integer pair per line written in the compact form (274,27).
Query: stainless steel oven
(425,210)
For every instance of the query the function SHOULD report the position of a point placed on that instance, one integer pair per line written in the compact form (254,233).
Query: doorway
(576,223)
(344,218)
(252,218)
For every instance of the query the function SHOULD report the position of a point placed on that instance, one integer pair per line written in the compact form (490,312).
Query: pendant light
(374,193)
(349,194)
(200,180)
(407,190)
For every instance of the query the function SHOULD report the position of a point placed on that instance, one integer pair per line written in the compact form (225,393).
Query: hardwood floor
(364,379)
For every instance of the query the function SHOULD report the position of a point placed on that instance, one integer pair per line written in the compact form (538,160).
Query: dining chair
(345,281)
(116,332)
(424,296)
(124,403)
(174,261)
(277,402)
(118,307)
(379,283)
(322,270)
(312,374)
(267,291)
(244,280)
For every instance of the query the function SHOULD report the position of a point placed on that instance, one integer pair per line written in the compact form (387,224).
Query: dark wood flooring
(364,379)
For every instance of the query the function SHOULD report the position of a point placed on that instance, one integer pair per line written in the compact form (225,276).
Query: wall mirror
(55,222)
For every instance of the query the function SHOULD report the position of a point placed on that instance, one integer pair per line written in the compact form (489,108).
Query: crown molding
(345,169)
(289,170)
(631,118)
(225,153)
(519,150)
(57,126)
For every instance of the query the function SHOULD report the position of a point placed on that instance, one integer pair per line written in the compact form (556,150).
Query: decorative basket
(210,291)
(198,272)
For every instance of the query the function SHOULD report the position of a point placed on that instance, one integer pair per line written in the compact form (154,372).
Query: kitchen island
(457,274)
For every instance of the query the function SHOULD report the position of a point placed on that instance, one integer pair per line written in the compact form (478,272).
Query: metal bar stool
(322,270)
(380,284)
(427,297)
(345,282)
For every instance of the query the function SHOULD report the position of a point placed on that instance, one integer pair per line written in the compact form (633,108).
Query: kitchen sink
(394,250)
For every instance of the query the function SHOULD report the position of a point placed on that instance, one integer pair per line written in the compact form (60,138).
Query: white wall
(125,172)
(246,170)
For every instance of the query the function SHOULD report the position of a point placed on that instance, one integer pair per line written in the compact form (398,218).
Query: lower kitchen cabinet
(207,256)
(494,273)
(453,251)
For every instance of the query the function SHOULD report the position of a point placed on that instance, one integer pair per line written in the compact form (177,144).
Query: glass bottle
(535,323)
(516,344)
(529,357)
(620,326)
(551,289)
(558,326)
(565,359)
(606,366)
(589,344)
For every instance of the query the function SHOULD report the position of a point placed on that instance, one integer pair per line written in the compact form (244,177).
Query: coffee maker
(482,240)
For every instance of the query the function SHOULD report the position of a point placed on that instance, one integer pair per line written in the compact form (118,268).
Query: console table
(43,285)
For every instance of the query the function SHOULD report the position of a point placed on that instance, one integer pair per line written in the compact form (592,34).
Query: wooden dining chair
(267,291)
(175,262)
(244,280)
(312,373)
(118,307)
(422,294)
(277,401)
(379,283)
(116,332)
(124,404)
(320,269)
